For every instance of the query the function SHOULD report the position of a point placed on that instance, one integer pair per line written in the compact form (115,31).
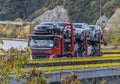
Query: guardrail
(109,54)
(107,60)
(60,60)
(110,50)
(60,68)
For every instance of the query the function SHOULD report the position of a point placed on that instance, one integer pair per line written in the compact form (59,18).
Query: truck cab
(64,45)
(44,46)
(52,46)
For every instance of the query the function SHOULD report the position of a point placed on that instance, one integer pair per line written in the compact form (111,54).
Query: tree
(115,36)
(11,62)
(71,79)
(19,20)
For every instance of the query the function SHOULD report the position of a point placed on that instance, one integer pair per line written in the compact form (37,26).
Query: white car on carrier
(81,29)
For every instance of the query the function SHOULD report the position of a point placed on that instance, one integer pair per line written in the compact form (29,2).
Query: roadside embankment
(14,39)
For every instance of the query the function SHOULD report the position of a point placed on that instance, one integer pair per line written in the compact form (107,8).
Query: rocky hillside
(114,21)
(78,10)
(59,13)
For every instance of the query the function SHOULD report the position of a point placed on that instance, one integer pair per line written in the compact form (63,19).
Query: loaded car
(95,29)
(52,24)
(80,29)
(59,27)
(44,28)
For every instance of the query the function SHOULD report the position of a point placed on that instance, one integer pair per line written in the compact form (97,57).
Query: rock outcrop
(102,21)
(59,13)
(114,21)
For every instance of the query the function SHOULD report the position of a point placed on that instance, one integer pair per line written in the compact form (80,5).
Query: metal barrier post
(99,43)
(86,45)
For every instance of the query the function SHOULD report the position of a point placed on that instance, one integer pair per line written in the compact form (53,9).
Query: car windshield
(47,23)
(61,24)
(77,25)
(39,27)
(92,27)
(41,43)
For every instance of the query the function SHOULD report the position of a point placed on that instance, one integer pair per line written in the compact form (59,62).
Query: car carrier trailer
(54,46)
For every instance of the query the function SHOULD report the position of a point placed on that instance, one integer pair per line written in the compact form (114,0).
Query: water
(19,44)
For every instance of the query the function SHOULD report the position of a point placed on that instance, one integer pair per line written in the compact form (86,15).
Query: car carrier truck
(65,45)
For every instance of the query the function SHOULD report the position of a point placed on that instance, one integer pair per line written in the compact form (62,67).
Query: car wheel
(52,32)
(96,36)
(82,36)
(77,53)
(90,48)
(83,54)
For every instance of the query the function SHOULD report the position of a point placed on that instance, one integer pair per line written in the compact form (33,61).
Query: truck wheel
(58,56)
(69,56)
(83,54)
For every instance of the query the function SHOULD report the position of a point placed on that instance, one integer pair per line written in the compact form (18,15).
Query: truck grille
(38,55)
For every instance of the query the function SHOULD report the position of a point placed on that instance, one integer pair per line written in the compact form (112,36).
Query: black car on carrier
(45,28)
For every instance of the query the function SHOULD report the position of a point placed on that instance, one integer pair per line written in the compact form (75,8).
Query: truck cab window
(41,43)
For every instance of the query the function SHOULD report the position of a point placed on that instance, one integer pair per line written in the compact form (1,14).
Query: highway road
(19,44)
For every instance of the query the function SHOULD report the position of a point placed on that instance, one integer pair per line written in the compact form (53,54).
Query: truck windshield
(41,43)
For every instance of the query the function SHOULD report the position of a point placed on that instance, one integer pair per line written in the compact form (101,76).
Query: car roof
(41,25)
(47,22)
(94,25)
(62,22)
(79,23)
(45,35)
